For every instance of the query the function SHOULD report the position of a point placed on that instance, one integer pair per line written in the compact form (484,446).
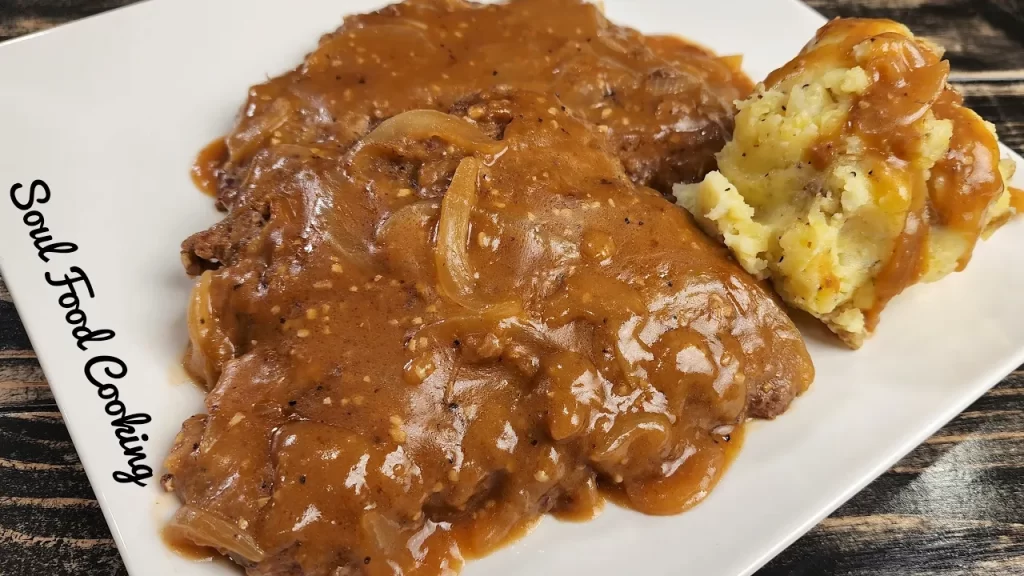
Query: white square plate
(110,112)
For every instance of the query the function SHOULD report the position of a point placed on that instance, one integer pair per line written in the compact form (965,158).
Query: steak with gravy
(444,300)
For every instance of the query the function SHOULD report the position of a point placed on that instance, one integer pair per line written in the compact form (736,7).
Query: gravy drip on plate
(441,305)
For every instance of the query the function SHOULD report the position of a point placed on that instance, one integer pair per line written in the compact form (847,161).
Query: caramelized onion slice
(252,131)
(210,346)
(215,531)
(650,429)
(424,124)
(455,277)
(451,253)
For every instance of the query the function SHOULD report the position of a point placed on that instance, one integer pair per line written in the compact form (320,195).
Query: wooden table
(955,505)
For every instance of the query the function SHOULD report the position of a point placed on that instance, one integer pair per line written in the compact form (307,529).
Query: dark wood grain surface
(954,506)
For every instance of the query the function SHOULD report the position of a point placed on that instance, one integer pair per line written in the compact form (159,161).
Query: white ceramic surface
(111,110)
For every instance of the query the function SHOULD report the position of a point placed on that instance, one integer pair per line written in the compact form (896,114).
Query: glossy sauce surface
(441,306)
(208,165)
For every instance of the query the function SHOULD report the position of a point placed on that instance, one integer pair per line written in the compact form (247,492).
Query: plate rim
(983,383)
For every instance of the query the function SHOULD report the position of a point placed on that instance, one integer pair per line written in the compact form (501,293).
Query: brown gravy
(186,548)
(206,168)
(443,303)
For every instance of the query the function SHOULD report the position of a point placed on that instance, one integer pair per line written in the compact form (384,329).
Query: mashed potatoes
(854,172)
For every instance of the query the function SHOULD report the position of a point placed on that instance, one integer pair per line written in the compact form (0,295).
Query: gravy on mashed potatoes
(854,172)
